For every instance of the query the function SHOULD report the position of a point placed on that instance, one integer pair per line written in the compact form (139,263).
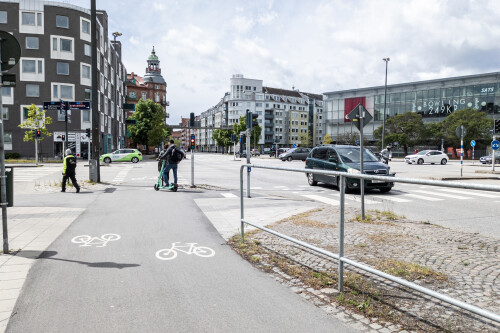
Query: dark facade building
(55,65)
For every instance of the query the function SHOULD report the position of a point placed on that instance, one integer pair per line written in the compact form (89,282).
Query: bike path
(123,287)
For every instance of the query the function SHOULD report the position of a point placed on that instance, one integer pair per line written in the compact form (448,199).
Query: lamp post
(385,103)
(116,34)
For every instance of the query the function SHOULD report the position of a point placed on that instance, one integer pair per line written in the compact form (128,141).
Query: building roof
(313,96)
(284,92)
(135,80)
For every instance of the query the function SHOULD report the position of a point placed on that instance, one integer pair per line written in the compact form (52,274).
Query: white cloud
(242,23)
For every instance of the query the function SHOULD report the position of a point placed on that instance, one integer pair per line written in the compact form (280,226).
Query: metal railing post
(242,215)
(341,234)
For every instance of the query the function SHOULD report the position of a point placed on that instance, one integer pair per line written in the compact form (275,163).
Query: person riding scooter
(386,154)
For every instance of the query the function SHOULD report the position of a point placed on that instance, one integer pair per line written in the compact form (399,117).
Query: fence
(340,256)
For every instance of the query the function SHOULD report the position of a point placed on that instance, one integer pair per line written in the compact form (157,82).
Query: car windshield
(291,150)
(352,155)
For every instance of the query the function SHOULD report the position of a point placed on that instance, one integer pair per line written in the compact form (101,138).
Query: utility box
(9,185)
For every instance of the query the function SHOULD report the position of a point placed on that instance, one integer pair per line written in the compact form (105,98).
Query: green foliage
(36,120)
(306,139)
(407,129)
(222,137)
(242,127)
(350,139)
(13,156)
(476,123)
(150,129)
(327,139)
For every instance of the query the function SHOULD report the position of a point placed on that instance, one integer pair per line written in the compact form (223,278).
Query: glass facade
(440,102)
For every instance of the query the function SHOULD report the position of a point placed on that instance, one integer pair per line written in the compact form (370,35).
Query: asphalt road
(122,286)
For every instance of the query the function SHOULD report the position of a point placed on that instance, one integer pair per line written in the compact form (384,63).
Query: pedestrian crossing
(33,173)
(404,194)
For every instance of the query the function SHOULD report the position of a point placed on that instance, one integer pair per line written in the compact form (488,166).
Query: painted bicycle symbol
(188,248)
(87,240)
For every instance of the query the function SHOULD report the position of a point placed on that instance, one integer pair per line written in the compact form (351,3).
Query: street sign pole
(461,149)
(362,181)
(248,162)
(192,159)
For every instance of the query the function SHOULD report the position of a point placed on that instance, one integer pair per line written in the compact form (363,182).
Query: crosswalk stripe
(319,198)
(470,192)
(229,195)
(391,198)
(256,188)
(355,198)
(416,196)
(443,195)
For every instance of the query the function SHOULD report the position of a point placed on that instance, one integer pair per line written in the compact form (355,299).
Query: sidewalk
(31,229)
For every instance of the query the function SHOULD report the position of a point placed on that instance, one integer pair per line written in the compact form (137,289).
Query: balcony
(269,133)
(269,140)
(269,116)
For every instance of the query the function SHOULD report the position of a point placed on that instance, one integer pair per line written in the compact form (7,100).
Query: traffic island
(459,264)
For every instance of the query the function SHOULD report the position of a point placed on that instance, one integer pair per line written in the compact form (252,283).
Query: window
(5,113)
(7,139)
(32,90)
(63,91)
(28,18)
(66,45)
(3,16)
(86,116)
(62,68)
(29,66)
(88,94)
(32,43)
(6,92)
(62,21)
(143,96)
(85,72)
(87,50)
(85,26)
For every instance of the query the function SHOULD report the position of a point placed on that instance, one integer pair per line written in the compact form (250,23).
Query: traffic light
(254,117)
(63,137)
(192,142)
(497,126)
(191,119)
(38,134)
(119,138)
(88,132)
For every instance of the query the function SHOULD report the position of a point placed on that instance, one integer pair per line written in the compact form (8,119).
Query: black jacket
(167,154)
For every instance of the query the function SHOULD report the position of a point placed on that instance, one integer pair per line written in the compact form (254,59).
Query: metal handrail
(340,257)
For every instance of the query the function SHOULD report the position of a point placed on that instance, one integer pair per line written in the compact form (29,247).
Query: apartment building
(55,65)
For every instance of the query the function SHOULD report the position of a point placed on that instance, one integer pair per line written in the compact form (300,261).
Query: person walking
(69,171)
(171,163)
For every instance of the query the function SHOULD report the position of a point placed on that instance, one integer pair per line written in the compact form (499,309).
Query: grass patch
(409,271)
(377,217)
(303,219)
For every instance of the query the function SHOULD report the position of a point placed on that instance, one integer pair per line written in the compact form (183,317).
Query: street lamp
(116,34)
(385,103)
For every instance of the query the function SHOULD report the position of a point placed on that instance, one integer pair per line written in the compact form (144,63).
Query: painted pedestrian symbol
(102,241)
(188,248)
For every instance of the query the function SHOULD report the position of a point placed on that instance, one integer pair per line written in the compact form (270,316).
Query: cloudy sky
(315,46)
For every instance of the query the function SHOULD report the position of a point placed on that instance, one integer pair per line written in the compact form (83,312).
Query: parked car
(122,155)
(295,154)
(243,154)
(255,152)
(344,158)
(272,153)
(487,159)
(427,156)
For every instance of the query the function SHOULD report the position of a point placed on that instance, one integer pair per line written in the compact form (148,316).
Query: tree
(150,129)
(36,121)
(350,139)
(407,129)
(476,123)
(327,139)
(241,126)
(306,139)
(222,137)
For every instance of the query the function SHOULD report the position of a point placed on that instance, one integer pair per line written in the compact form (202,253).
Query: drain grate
(110,190)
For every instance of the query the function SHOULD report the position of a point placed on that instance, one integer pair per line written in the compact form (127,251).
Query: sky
(315,46)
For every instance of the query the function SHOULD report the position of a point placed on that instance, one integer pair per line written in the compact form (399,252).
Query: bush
(12,155)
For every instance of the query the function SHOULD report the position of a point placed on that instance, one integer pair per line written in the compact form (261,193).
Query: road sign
(79,105)
(294,145)
(51,105)
(495,144)
(460,131)
(358,111)
(472,143)
(11,50)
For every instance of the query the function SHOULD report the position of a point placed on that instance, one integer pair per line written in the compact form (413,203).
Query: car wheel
(135,160)
(289,159)
(310,179)
(107,160)
(385,189)
(420,161)
(346,189)
(444,161)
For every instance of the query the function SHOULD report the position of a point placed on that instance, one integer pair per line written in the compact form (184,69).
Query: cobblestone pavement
(470,263)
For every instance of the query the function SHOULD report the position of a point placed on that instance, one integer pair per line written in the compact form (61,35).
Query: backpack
(177,155)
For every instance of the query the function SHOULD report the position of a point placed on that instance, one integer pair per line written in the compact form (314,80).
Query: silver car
(295,154)
(487,159)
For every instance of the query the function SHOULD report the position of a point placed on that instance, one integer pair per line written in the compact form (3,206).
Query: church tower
(153,71)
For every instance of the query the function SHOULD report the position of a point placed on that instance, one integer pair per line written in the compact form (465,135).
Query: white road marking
(280,186)
(443,195)
(322,199)
(188,248)
(102,241)
(229,195)
(421,197)
(355,198)
(470,192)
(256,188)
(391,198)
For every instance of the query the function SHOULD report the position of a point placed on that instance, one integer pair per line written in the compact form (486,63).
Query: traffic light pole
(94,166)
(3,177)
(248,162)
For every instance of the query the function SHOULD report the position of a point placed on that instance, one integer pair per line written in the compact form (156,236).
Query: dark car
(347,159)
(272,153)
(295,154)
(488,159)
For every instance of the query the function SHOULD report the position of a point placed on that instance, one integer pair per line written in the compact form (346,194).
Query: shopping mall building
(433,99)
